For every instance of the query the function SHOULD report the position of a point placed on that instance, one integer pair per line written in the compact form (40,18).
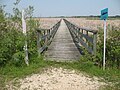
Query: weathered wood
(90,39)
(94,43)
(83,43)
(83,36)
(45,36)
(86,46)
(42,49)
(38,42)
(62,46)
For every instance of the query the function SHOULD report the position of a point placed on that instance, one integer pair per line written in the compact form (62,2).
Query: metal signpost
(24,32)
(104,16)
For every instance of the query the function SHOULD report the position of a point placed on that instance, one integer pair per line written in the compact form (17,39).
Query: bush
(32,36)
(12,39)
(112,48)
(18,58)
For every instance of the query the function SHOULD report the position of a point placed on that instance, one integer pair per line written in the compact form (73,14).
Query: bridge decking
(62,46)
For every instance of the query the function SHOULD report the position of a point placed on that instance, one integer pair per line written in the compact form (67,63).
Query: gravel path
(59,79)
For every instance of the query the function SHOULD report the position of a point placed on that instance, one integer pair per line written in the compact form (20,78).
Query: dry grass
(47,23)
(93,24)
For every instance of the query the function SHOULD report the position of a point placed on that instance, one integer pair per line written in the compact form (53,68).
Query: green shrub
(112,48)
(12,39)
(18,58)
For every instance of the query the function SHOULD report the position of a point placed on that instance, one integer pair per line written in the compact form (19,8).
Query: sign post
(104,44)
(104,16)
(24,32)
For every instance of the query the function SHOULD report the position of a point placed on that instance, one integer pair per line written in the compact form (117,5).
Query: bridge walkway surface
(62,47)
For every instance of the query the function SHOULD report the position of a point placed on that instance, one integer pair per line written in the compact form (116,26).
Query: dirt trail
(59,79)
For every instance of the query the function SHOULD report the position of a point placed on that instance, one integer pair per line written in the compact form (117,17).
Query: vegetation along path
(57,79)
(62,46)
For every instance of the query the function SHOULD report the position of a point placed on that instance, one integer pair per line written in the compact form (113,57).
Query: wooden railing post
(45,36)
(86,40)
(78,33)
(46,40)
(38,42)
(82,33)
(94,43)
(48,33)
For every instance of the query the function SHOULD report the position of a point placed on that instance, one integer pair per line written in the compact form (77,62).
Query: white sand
(59,79)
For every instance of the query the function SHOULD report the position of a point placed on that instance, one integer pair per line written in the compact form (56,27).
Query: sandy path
(59,79)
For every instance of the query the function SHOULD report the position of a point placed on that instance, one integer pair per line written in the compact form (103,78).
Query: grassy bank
(10,72)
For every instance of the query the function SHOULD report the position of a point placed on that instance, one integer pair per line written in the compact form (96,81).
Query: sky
(46,8)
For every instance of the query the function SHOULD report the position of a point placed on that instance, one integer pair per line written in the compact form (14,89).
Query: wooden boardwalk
(62,47)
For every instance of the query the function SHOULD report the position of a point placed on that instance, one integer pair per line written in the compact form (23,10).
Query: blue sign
(104,14)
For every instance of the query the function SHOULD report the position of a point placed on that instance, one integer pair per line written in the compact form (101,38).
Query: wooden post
(38,42)
(51,33)
(24,32)
(86,38)
(48,33)
(44,35)
(78,34)
(46,39)
(82,33)
(94,43)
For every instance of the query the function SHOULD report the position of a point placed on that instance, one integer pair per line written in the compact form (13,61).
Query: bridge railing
(45,36)
(85,37)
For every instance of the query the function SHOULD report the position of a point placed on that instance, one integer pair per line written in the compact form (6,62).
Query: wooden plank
(41,29)
(62,46)
(85,45)
(46,36)
(90,39)
(86,29)
(42,48)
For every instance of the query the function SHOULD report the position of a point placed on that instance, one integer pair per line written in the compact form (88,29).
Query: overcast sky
(66,7)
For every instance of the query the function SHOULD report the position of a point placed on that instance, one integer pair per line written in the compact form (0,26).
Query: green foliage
(112,48)
(18,59)
(17,2)
(2,13)
(86,57)
(31,36)
(29,11)
(37,65)
(12,39)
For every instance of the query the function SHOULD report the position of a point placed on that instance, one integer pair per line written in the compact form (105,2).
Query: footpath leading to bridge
(62,46)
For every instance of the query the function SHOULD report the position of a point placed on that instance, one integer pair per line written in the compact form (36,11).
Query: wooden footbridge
(64,40)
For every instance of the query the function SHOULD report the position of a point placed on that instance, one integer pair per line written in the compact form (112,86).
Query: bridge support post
(86,38)
(38,42)
(94,43)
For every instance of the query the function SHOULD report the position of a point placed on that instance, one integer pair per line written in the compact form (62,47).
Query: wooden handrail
(45,36)
(85,37)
